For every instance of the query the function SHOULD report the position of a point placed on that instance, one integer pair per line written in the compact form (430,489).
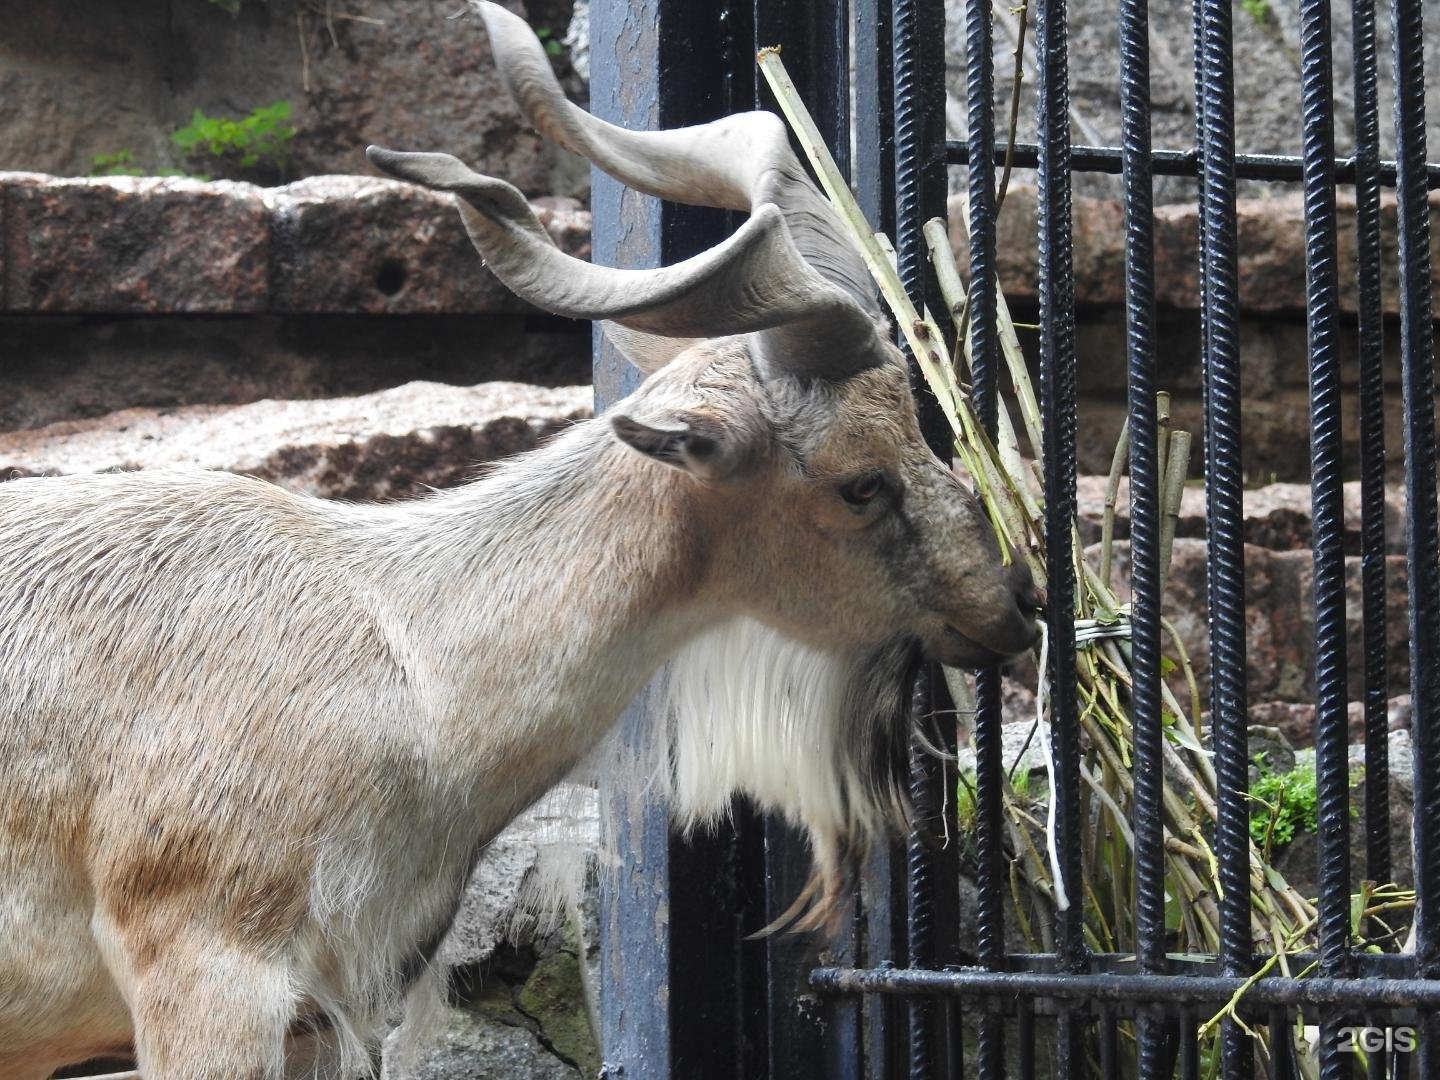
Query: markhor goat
(252,744)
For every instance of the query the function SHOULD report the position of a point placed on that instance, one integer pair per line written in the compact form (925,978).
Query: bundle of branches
(1008,484)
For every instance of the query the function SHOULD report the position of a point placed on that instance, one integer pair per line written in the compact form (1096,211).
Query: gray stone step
(383,445)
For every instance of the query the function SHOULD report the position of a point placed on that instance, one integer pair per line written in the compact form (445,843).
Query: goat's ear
(701,444)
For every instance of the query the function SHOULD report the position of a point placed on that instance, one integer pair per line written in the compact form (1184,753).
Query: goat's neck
(539,599)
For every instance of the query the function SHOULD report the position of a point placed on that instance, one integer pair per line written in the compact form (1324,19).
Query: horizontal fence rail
(1184,163)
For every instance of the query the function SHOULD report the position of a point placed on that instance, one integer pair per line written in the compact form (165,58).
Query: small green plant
(1284,803)
(260,139)
(549,41)
(1259,10)
(120,163)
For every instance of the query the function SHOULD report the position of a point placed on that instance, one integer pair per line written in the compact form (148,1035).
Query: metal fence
(687,996)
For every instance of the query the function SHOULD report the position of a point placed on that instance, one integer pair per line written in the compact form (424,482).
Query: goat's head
(770,379)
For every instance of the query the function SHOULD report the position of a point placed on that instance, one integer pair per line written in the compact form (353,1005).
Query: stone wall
(92,77)
(160,293)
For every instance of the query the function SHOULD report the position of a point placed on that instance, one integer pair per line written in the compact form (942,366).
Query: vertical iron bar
(1418,374)
(1224,480)
(1057,403)
(1189,1046)
(883,886)
(1332,762)
(984,370)
(1198,45)
(917,45)
(1057,381)
(1282,1064)
(1146,816)
(1025,1040)
(1110,1044)
(920,885)
(1372,440)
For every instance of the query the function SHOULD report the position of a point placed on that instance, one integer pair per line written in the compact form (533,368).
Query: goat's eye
(863,490)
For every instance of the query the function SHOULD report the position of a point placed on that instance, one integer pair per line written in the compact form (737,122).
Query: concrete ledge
(325,245)
(360,245)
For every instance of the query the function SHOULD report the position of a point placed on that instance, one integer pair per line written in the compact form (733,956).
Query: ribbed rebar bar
(913,176)
(920,884)
(1146,814)
(1322,294)
(1372,439)
(1057,404)
(1418,379)
(1224,481)
(984,360)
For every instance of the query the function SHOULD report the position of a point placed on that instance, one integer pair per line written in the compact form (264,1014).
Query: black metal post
(1224,482)
(1327,513)
(1417,358)
(803,1037)
(985,389)
(1057,407)
(917,43)
(1146,815)
(1372,440)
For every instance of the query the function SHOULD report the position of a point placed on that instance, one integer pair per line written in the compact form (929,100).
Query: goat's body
(234,718)
(251,744)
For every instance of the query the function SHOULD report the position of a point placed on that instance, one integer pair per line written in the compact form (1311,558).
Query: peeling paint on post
(670,912)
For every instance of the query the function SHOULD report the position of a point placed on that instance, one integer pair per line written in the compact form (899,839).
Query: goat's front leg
(207,1011)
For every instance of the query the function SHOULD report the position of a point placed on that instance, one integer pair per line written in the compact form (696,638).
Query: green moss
(554,997)
(120,163)
(1259,10)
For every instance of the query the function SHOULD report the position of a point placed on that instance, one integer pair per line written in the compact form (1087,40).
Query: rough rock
(1279,620)
(1024,748)
(1271,237)
(1276,516)
(569,816)
(461,1044)
(554,997)
(1295,720)
(354,245)
(410,74)
(92,78)
(375,446)
(132,244)
(1298,861)
(331,244)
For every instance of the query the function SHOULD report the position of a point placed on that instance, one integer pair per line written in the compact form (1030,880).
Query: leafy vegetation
(549,41)
(122,163)
(1284,804)
(259,140)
